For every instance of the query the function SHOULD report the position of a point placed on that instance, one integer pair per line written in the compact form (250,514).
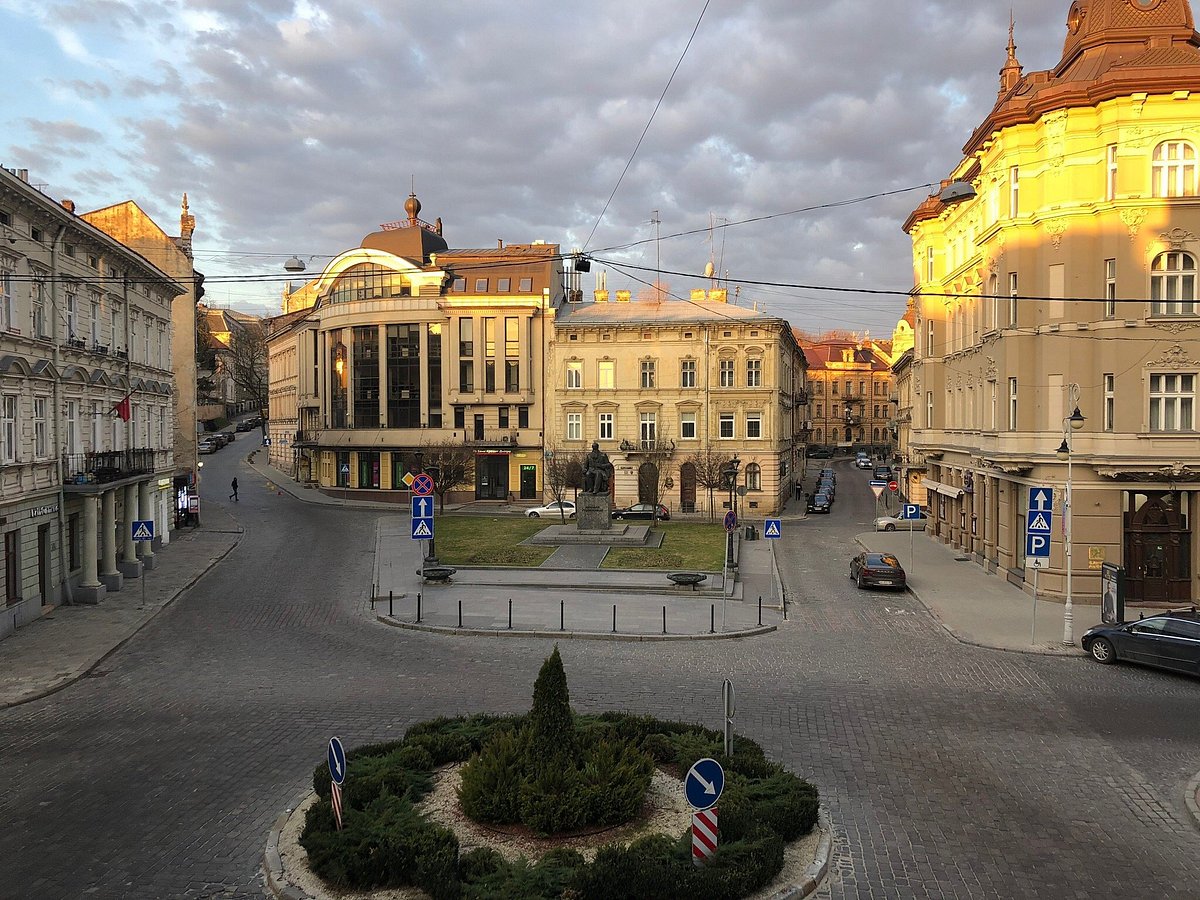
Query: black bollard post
(561,616)
(389,604)
(418,606)
(664,620)
(460,614)
(760,609)
(614,618)
(712,618)
(510,614)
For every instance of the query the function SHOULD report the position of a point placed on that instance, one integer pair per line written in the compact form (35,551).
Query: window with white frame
(38,297)
(1172,401)
(725,426)
(754,373)
(162,427)
(574,375)
(929,409)
(133,330)
(605,424)
(754,425)
(1110,401)
(1174,169)
(648,429)
(648,374)
(1014,192)
(687,426)
(929,264)
(1110,185)
(1173,284)
(72,315)
(163,350)
(72,435)
(604,375)
(726,378)
(97,421)
(41,443)
(687,373)
(6,301)
(1012,299)
(8,429)
(94,321)
(574,426)
(114,315)
(1110,288)
(754,477)
(992,392)
(1012,404)
(928,341)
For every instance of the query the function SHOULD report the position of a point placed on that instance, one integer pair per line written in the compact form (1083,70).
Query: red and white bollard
(704,836)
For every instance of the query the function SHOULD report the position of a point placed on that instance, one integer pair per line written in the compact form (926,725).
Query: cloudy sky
(298,127)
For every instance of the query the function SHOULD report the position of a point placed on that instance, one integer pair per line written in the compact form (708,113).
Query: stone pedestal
(593,512)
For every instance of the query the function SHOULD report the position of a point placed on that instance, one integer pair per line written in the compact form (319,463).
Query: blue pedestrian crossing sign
(910,511)
(704,783)
(143,529)
(422,529)
(773,528)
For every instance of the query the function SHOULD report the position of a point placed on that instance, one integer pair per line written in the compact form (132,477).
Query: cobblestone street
(948,770)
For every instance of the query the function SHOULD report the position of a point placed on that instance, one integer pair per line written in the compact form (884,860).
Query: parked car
(828,473)
(229,436)
(862,461)
(208,446)
(820,453)
(245,425)
(218,438)
(1170,640)
(642,511)
(877,570)
(826,487)
(555,510)
(892,523)
(883,473)
(820,503)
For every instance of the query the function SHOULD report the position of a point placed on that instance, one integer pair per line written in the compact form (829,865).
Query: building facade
(852,405)
(86,404)
(409,350)
(672,390)
(1069,281)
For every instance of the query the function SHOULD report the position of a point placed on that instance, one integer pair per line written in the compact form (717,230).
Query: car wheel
(1102,651)
(534,515)
(859,581)
(889,527)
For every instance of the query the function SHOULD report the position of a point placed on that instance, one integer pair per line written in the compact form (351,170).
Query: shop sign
(164,482)
(1096,558)
(38,511)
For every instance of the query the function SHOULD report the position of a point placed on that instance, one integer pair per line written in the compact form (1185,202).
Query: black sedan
(1168,641)
(820,503)
(642,511)
(877,570)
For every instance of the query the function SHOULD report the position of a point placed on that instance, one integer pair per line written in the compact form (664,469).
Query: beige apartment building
(852,406)
(402,345)
(668,388)
(86,405)
(1069,280)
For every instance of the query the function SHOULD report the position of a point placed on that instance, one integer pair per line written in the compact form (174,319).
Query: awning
(946,490)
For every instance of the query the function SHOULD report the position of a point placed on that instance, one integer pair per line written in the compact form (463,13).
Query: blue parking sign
(910,511)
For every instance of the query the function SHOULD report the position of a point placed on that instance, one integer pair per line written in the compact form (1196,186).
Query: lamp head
(295,264)
(1063,452)
(1077,419)
(956,192)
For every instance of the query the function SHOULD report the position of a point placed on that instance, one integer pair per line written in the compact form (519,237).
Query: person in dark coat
(233,485)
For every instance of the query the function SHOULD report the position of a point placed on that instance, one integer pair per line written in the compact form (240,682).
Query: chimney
(69,206)
(23,174)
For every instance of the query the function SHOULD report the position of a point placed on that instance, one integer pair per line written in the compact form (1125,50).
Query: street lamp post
(730,472)
(1070,423)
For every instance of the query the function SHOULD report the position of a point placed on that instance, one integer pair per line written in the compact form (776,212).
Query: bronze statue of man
(595,471)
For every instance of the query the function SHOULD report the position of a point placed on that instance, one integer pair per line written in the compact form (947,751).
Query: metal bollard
(614,631)
(664,620)
(712,618)
(389,604)
(460,614)
(561,616)
(418,606)
(510,614)
(760,609)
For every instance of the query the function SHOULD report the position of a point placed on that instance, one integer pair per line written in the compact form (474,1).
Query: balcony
(83,469)
(121,354)
(491,437)
(305,438)
(102,349)
(76,344)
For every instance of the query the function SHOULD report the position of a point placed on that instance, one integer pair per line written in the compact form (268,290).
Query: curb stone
(1191,796)
(575,635)
(277,881)
(818,869)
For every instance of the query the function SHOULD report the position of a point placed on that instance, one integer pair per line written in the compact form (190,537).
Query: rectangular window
(12,566)
(489,338)
(928,345)
(574,426)
(72,435)
(1012,404)
(1110,410)
(648,429)
(365,363)
(604,380)
(526,285)
(834,385)
(97,419)
(95,322)
(1172,402)
(647,374)
(503,285)
(687,426)
(1110,288)
(1012,299)
(489,376)
(726,369)
(522,416)
(433,372)
(466,376)
(725,426)
(512,338)
(606,426)
(481,285)
(460,284)
(754,373)
(929,264)
(1014,192)
(687,373)
(403,369)
(574,375)
(72,316)
(992,393)
(512,376)
(1110,185)
(460,417)
(502,416)
(39,308)
(754,425)
(40,443)
(466,338)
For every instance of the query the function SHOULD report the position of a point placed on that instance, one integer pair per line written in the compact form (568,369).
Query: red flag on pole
(122,408)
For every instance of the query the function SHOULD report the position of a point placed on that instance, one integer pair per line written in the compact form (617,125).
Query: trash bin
(751,533)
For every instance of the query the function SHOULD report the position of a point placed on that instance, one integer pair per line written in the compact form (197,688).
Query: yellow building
(1069,281)
(409,348)
(671,389)
(850,385)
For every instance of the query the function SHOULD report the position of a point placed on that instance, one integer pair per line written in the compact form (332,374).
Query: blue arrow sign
(773,528)
(422,529)
(336,757)
(422,507)
(143,529)
(1041,499)
(910,511)
(704,783)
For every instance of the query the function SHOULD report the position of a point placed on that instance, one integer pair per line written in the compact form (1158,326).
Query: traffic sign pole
(1033,628)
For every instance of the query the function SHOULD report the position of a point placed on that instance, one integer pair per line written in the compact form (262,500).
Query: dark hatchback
(642,511)
(877,570)
(1168,641)
(820,503)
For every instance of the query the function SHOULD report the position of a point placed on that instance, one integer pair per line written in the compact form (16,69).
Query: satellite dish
(709,269)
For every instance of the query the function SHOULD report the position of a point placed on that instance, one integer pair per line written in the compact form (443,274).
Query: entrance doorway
(528,482)
(45,574)
(491,477)
(647,483)
(479,428)
(687,487)
(1158,546)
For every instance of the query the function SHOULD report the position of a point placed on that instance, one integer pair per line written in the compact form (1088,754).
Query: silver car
(892,523)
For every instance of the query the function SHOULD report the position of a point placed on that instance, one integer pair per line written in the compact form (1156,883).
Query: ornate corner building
(1069,280)
(853,401)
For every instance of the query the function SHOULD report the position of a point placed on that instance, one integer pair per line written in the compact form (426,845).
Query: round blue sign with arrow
(704,783)
(336,757)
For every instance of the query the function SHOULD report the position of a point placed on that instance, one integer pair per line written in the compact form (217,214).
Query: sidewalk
(69,641)
(978,608)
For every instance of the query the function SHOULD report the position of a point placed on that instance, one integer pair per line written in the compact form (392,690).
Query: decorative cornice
(1056,229)
(1174,472)
(1177,237)
(1175,327)
(1174,358)
(1133,219)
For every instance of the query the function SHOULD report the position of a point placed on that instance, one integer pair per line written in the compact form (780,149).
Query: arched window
(1173,284)
(875,435)
(753,477)
(819,435)
(368,281)
(1174,169)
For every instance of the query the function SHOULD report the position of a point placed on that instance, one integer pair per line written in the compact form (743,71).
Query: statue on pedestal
(596,469)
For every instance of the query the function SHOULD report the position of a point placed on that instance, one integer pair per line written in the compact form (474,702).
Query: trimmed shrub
(492,781)
(551,722)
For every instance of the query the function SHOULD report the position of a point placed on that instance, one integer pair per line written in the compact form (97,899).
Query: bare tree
(559,473)
(653,477)
(709,465)
(248,365)
(452,466)
(574,476)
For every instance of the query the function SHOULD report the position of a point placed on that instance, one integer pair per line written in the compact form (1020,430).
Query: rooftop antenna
(656,222)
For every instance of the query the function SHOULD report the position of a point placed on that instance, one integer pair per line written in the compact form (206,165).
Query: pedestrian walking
(233,485)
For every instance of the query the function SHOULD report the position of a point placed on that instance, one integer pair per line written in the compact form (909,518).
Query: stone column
(109,574)
(130,565)
(145,549)
(90,589)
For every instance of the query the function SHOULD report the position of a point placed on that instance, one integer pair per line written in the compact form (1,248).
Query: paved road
(950,771)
